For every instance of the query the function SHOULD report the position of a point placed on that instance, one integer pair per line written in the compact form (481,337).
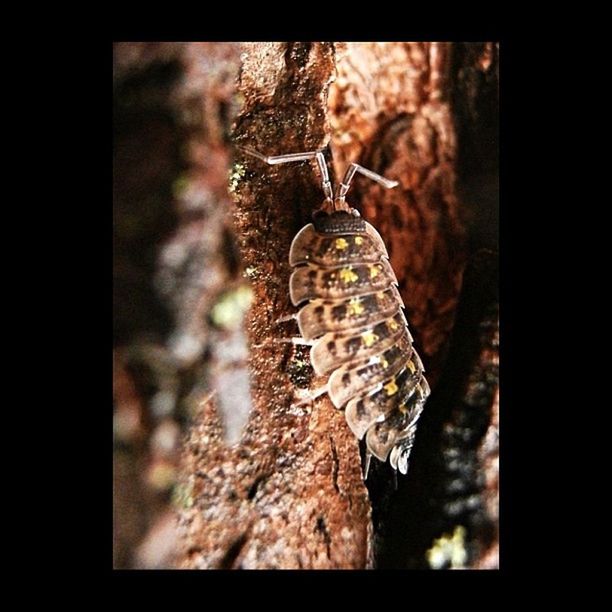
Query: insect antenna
(296,157)
(348,177)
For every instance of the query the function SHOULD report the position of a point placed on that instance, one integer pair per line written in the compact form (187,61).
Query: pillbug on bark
(352,317)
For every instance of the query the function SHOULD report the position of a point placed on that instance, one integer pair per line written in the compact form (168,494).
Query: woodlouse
(352,317)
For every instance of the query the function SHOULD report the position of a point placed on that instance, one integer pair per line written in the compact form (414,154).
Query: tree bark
(201,281)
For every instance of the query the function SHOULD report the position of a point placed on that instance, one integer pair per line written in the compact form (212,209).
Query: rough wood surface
(291,494)
(391,109)
(201,232)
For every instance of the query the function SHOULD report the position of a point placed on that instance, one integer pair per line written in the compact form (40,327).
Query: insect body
(351,315)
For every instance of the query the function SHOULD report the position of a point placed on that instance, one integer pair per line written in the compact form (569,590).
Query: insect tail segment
(368,459)
(400,454)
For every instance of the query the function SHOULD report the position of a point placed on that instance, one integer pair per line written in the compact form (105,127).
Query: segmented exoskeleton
(352,317)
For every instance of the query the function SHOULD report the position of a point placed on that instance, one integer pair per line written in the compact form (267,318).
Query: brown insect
(353,320)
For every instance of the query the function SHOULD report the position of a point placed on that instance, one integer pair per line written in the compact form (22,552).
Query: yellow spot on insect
(358,240)
(355,307)
(380,296)
(341,244)
(391,387)
(348,276)
(411,367)
(392,325)
(403,409)
(374,271)
(384,363)
(369,338)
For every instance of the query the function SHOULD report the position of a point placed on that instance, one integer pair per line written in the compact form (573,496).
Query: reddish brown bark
(290,494)
(391,108)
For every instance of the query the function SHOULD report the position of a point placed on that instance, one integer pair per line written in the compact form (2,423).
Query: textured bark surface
(201,276)
(391,109)
(291,494)
(177,281)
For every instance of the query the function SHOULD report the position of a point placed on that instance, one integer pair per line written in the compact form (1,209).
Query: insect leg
(295,157)
(311,396)
(297,340)
(290,317)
